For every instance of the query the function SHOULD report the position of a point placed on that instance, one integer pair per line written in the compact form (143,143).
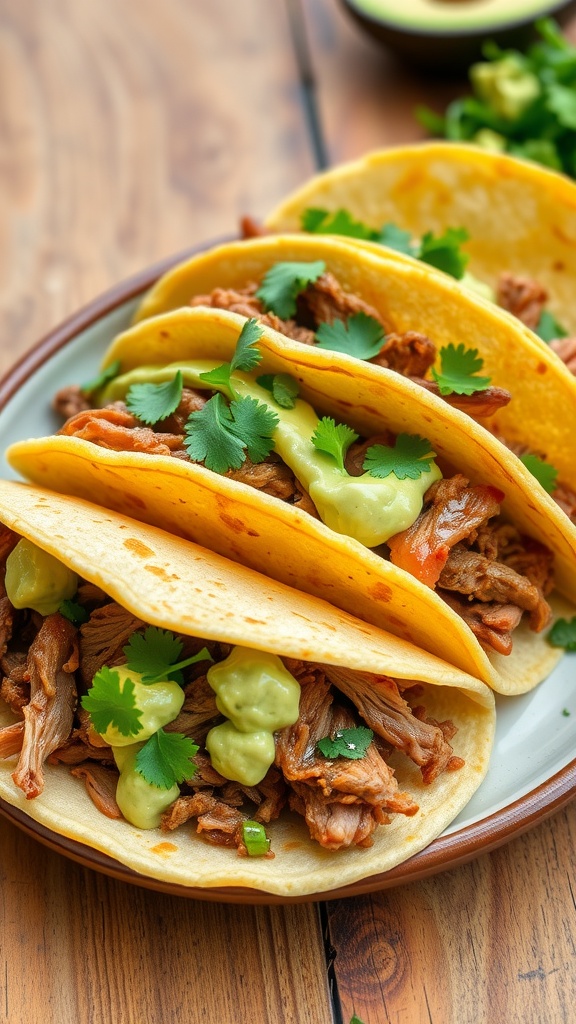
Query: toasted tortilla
(520,216)
(410,296)
(285,543)
(177,585)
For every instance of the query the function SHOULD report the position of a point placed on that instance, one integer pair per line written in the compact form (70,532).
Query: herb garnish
(165,759)
(548,327)
(111,703)
(246,357)
(74,612)
(410,456)
(361,336)
(458,367)
(220,435)
(321,222)
(152,403)
(103,378)
(283,388)
(154,654)
(283,284)
(545,473)
(255,839)
(522,103)
(350,743)
(563,634)
(444,252)
(333,439)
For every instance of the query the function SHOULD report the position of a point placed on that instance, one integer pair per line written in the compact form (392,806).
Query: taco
(145,679)
(517,222)
(401,316)
(441,540)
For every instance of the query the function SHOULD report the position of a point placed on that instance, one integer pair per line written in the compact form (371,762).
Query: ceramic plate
(533,769)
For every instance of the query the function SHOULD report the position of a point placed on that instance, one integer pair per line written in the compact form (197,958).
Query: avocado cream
(35,579)
(368,509)
(159,703)
(141,803)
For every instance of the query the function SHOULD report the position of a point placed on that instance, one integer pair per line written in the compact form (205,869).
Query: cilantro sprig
(246,357)
(111,702)
(333,439)
(152,403)
(410,456)
(165,759)
(349,743)
(563,634)
(361,336)
(74,612)
(548,327)
(155,655)
(459,367)
(546,474)
(220,435)
(284,282)
(102,379)
(282,386)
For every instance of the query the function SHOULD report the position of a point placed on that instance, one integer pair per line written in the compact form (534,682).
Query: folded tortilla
(176,585)
(410,296)
(521,217)
(287,544)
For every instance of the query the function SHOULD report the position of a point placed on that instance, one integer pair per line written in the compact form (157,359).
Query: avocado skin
(444,53)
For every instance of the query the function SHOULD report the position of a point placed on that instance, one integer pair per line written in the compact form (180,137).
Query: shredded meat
(522,297)
(245,302)
(478,405)
(49,716)
(100,785)
(119,431)
(565,349)
(11,739)
(326,300)
(102,638)
(452,511)
(492,624)
(565,497)
(69,401)
(275,478)
(410,354)
(387,713)
(251,228)
(191,401)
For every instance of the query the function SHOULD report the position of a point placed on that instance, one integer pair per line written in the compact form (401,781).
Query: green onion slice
(255,839)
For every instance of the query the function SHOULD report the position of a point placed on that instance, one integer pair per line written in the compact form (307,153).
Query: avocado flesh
(438,15)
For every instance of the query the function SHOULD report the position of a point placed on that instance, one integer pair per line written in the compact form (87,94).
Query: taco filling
(387,492)
(164,727)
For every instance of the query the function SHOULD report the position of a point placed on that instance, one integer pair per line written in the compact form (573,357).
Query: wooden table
(132,130)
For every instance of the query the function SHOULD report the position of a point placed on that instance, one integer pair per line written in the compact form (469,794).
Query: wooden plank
(81,947)
(493,940)
(132,131)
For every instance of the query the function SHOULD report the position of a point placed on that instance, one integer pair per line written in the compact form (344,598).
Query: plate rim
(442,854)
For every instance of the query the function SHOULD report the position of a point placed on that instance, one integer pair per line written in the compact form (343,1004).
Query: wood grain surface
(128,131)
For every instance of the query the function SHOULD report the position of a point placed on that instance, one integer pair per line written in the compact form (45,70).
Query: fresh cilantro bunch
(522,103)
(441,251)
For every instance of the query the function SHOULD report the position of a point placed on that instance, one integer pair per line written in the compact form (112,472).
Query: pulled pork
(343,801)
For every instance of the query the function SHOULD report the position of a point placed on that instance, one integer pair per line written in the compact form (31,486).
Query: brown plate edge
(443,853)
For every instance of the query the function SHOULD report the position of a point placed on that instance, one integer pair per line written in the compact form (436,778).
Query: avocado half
(448,35)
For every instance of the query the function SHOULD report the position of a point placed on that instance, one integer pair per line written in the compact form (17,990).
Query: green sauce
(158,702)
(364,508)
(37,580)
(141,803)
(258,696)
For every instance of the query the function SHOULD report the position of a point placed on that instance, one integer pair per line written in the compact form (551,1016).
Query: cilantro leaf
(548,327)
(74,612)
(283,284)
(409,458)
(283,388)
(350,743)
(545,473)
(154,402)
(103,378)
(333,439)
(166,759)
(563,634)
(254,423)
(245,357)
(110,703)
(444,252)
(398,239)
(322,222)
(218,434)
(362,336)
(458,366)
